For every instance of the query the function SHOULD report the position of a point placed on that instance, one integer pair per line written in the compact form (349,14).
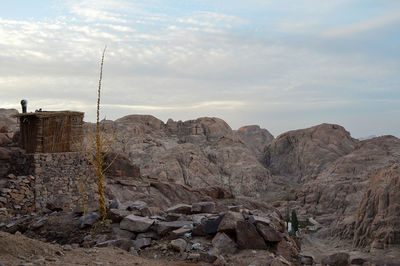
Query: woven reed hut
(50,132)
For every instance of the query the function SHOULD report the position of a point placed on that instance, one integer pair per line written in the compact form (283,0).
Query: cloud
(362,26)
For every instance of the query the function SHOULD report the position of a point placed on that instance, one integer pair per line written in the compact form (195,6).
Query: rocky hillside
(378,215)
(255,138)
(199,153)
(334,195)
(303,154)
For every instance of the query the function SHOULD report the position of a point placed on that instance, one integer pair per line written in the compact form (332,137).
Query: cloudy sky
(284,64)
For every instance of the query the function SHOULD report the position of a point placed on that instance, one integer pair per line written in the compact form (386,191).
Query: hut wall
(51,132)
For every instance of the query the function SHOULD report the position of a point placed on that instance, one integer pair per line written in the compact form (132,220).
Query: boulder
(179,244)
(163,228)
(224,243)
(208,226)
(119,233)
(258,219)
(268,233)
(135,223)
(139,208)
(228,223)
(247,236)
(337,259)
(88,220)
(116,215)
(142,243)
(180,208)
(203,207)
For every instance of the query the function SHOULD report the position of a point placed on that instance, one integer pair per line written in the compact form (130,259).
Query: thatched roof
(49,113)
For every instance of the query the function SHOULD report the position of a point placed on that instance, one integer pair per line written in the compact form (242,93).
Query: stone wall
(49,180)
(57,180)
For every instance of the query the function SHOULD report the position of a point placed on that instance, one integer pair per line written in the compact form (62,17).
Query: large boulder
(135,223)
(247,236)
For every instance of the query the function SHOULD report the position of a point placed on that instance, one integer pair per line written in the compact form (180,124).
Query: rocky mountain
(255,138)
(378,215)
(199,153)
(304,153)
(333,197)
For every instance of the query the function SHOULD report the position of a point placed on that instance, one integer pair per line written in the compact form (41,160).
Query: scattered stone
(203,207)
(196,246)
(125,244)
(42,221)
(228,223)
(88,220)
(135,223)
(180,208)
(268,233)
(193,256)
(224,243)
(337,259)
(247,236)
(179,244)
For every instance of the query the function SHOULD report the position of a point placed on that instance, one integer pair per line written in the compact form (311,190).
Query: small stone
(39,223)
(234,208)
(209,256)
(178,244)
(67,247)
(193,256)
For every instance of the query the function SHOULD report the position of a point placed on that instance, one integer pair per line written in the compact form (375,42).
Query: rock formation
(334,195)
(198,153)
(255,138)
(378,216)
(304,153)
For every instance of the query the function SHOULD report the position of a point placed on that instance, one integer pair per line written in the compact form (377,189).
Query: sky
(283,65)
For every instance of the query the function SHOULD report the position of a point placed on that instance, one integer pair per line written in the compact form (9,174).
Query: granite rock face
(255,138)
(303,154)
(333,197)
(378,215)
(199,153)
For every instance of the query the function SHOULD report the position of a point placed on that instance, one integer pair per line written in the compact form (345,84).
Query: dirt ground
(16,249)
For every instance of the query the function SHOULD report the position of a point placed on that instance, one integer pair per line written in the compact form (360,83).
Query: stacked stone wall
(47,180)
